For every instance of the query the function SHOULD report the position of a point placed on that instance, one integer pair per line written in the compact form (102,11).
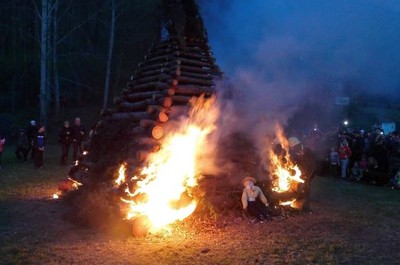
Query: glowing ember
(55,196)
(75,184)
(286,175)
(163,191)
(121,174)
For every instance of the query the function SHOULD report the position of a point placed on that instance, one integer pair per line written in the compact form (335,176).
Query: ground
(350,223)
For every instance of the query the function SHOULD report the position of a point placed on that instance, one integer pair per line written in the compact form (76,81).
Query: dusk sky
(321,42)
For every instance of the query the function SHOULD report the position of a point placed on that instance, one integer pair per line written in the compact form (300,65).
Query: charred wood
(189,80)
(193,90)
(133,116)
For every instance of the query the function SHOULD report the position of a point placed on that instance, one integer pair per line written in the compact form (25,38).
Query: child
(355,172)
(2,142)
(334,162)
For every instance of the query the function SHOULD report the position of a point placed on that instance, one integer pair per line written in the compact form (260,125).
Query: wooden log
(133,116)
(144,67)
(197,81)
(181,99)
(133,97)
(155,108)
(166,102)
(178,111)
(147,73)
(148,79)
(162,116)
(196,69)
(150,86)
(193,90)
(204,76)
(155,132)
(138,106)
(146,141)
(190,62)
(191,55)
(146,123)
(159,59)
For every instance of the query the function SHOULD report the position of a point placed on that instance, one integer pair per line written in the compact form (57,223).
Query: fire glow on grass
(163,188)
(286,175)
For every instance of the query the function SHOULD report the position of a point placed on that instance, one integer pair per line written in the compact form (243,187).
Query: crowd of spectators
(369,156)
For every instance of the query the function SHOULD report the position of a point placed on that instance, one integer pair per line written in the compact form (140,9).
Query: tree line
(57,53)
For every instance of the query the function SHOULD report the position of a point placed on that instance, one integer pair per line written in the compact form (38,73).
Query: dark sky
(318,42)
(281,54)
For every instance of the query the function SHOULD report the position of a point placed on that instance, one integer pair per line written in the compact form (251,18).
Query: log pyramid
(179,66)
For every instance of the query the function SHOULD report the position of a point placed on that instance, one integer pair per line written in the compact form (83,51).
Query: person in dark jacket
(305,158)
(78,136)
(38,145)
(65,139)
(22,146)
(31,132)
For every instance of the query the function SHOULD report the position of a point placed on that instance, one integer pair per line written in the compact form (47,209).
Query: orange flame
(286,175)
(164,187)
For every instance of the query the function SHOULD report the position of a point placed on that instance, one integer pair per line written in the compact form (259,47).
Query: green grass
(351,223)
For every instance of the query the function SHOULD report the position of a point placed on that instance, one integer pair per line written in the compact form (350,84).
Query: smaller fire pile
(286,178)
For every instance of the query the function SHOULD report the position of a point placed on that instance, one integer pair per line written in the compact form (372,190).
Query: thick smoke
(281,55)
(284,56)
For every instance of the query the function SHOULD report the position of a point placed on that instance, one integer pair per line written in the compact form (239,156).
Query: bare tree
(110,54)
(44,53)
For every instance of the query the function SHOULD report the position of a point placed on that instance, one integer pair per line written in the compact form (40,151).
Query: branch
(78,26)
(36,9)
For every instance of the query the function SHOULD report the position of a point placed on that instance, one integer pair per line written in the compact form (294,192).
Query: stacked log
(171,74)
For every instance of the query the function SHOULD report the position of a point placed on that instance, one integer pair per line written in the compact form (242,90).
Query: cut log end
(157,132)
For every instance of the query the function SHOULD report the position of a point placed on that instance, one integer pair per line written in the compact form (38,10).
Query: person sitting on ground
(253,199)
(355,172)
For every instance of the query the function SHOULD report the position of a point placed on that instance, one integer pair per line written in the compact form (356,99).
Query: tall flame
(163,191)
(286,175)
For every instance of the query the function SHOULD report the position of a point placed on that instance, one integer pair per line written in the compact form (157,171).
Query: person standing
(2,142)
(65,140)
(22,146)
(306,159)
(31,132)
(38,145)
(344,155)
(78,135)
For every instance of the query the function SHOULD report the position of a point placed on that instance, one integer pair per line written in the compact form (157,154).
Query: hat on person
(248,179)
(293,141)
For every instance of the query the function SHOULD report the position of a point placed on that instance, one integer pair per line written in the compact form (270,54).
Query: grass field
(350,224)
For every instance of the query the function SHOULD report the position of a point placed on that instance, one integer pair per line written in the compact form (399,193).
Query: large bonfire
(162,192)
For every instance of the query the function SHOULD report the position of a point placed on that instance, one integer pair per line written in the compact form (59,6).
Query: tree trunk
(56,79)
(44,62)
(110,54)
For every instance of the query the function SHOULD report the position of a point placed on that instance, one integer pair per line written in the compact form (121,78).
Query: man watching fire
(305,159)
